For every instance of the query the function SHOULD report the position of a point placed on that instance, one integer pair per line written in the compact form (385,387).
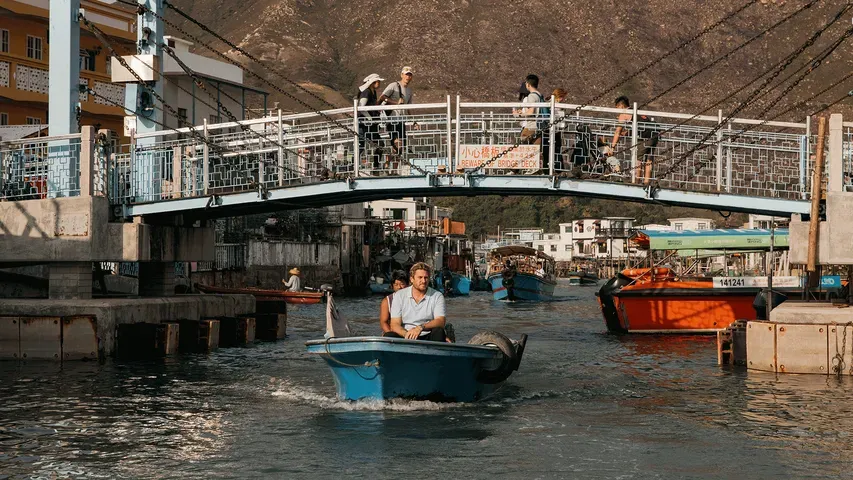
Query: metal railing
(46,167)
(742,156)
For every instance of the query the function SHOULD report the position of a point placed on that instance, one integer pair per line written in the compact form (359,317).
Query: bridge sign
(523,157)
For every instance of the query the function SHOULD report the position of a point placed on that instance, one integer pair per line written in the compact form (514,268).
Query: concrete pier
(802,338)
(108,315)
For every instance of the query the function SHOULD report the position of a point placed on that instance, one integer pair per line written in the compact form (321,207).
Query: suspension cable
(198,81)
(732,52)
(580,107)
(278,88)
(817,63)
(815,36)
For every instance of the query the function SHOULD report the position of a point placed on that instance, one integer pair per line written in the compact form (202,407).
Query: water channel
(584,404)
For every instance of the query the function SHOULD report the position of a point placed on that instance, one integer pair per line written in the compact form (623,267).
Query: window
(679,227)
(553,248)
(109,65)
(182,113)
(4,118)
(87,60)
(215,119)
(4,40)
(541,248)
(702,226)
(602,248)
(567,229)
(33,121)
(568,247)
(34,47)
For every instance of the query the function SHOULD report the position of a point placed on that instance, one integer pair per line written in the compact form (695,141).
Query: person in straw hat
(368,125)
(294,283)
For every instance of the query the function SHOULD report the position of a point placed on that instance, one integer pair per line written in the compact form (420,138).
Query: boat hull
(459,284)
(578,280)
(381,288)
(304,298)
(673,307)
(380,368)
(525,287)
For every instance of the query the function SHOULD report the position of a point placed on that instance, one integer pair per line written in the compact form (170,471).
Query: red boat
(305,298)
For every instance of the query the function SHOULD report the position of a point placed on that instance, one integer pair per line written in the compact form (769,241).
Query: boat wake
(301,395)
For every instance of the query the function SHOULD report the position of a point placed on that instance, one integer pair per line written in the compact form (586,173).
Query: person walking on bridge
(398,93)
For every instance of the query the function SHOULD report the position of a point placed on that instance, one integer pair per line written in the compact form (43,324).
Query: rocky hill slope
(482,49)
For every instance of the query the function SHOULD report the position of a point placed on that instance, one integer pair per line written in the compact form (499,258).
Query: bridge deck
(350,155)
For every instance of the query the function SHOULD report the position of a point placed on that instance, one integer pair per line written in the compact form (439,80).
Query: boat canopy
(740,239)
(521,250)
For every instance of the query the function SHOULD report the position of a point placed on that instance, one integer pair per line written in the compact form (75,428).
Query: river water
(584,404)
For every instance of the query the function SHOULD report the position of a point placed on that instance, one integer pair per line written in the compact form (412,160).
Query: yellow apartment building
(24,55)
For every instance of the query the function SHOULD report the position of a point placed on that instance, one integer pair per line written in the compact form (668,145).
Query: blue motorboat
(459,284)
(381,368)
(376,287)
(518,272)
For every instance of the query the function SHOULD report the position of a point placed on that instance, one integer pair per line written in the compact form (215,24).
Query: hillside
(482,49)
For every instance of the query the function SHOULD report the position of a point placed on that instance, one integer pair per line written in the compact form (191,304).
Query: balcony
(28,81)
(612,232)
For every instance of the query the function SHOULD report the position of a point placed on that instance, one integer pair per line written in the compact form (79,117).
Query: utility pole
(138,98)
(63,93)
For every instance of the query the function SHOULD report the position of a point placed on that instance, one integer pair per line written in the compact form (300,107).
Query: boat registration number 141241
(755,282)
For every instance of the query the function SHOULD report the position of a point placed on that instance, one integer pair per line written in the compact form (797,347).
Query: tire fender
(510,356)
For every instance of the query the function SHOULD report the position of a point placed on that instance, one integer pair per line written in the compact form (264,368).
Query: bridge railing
(744,156)
(35,168)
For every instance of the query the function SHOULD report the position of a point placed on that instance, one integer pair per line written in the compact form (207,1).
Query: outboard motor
(608,304)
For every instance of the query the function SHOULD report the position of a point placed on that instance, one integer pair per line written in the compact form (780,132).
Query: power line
(220,149)
(102,38)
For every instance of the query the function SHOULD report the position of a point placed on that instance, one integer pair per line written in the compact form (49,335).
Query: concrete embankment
(49,328)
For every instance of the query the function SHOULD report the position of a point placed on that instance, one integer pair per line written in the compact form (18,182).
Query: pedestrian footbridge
(348,155)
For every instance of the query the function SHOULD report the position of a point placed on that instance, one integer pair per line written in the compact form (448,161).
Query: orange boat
(653,300)
(305,298)
(659,303)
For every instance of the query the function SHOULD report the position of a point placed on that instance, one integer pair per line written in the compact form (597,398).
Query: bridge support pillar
(156,279)
(70,281)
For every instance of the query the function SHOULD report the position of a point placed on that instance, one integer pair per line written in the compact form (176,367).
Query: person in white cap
(398,93)
(368,124)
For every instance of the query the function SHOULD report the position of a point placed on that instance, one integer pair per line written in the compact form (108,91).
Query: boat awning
(520,250)
(718,239)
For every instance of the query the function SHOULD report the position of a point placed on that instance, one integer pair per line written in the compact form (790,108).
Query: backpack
(543,114)
(649,129)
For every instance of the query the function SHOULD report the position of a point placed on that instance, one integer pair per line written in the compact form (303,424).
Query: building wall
(197,111)
(24,81)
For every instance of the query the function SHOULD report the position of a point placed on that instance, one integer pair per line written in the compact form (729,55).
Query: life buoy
(649,275)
